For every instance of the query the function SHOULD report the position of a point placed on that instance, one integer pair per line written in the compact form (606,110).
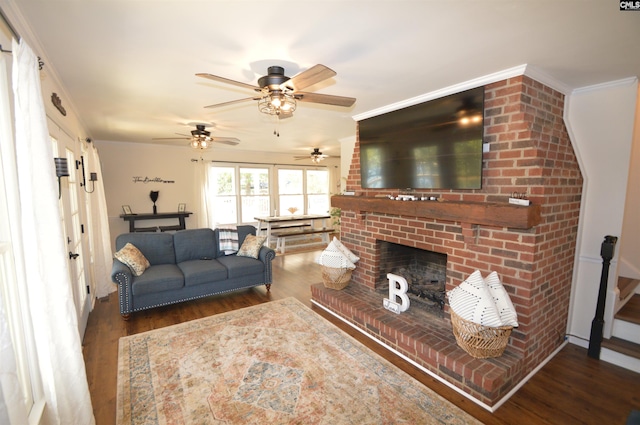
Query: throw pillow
(251,246)
(334,259)
(340,246)
(132,257)
(507,312)
(472,301)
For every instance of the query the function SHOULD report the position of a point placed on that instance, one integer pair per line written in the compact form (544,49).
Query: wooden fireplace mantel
(483,213)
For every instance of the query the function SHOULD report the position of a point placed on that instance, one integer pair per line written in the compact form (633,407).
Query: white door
(70,208)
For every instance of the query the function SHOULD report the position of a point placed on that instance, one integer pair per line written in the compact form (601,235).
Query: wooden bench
(285,227)
(289,226)
(282,235)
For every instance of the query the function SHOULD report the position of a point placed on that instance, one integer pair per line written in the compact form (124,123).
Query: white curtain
(202,181)
(12,408)
(12,405)
(52,310)
(100,235)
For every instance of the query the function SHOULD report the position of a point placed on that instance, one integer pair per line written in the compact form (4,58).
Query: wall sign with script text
(139,179)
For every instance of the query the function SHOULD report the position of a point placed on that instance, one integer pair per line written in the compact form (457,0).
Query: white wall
(630,242)
(123,162)
(159,165)
(600,122)
(347,147)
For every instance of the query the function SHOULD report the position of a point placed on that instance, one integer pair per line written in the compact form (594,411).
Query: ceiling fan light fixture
(201,138)
(277,102)
(200,143)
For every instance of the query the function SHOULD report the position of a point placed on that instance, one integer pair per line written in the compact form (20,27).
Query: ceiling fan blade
(171,138)
(309,77)
(326,99)
(226,140)
(228,81)
(231,102)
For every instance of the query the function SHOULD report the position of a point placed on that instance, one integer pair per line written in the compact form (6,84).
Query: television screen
(432,145)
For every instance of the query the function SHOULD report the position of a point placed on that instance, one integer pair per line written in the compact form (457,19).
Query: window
(317,191)
(222,183)
(239,193)
(303,191)
(254,193)
(291,192)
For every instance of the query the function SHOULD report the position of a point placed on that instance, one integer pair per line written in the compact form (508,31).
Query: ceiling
(128,67)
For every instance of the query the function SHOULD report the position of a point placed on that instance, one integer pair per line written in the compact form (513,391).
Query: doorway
(72,215)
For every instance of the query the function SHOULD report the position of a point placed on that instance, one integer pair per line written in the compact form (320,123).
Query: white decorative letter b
(397,288)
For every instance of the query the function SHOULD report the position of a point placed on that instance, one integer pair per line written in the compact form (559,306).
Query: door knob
(73,256)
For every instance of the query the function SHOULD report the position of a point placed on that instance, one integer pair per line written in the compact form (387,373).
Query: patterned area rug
(274,363)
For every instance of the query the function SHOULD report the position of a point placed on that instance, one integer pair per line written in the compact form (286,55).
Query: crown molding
(525,69)
(456,88)
(544,78)
(607,85)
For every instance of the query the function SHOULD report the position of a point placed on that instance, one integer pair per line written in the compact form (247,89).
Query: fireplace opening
(425,273)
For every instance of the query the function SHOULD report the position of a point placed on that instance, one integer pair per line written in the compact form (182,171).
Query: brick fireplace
(425,273)
(531,248)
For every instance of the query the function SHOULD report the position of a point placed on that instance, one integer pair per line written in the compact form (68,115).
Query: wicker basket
(335,278)
(480,341)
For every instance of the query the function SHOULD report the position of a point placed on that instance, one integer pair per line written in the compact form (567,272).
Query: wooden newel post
(597,324)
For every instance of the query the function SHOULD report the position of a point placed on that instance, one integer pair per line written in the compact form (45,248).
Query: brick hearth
(531,248)
(425,339)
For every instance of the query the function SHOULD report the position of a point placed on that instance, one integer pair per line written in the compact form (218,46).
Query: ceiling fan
(201,138)
(316,156)
(278,93)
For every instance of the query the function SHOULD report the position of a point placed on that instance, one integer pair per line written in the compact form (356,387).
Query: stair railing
(607,250)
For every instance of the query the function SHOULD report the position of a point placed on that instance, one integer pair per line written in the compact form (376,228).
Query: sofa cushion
(202,271)
(241,266)
(195,244)
(133,258)
(156,247)
(162,277)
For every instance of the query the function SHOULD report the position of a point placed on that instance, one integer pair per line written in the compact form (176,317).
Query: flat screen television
(431,145)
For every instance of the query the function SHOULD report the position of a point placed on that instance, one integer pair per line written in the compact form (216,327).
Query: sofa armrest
(122,276)
(265,255)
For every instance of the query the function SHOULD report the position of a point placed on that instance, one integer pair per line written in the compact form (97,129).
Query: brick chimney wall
(530,152)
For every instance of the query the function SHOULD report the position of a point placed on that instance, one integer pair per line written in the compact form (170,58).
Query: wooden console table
(132,218)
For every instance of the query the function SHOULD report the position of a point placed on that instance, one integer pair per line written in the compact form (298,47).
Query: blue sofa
(186,265)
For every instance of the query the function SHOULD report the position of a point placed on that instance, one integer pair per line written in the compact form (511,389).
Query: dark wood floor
(571,389)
